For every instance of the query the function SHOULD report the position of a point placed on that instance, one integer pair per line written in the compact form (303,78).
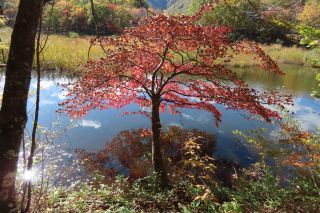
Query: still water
(92,131)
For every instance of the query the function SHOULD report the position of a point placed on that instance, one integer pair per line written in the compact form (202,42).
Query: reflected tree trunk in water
(13,115)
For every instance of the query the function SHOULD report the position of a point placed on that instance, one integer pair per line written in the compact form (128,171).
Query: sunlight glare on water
(30,175)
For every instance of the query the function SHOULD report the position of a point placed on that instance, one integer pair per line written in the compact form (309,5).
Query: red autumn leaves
(178,62)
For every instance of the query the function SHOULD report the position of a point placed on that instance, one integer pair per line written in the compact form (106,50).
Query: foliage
(310,15)
(254,20)
(258,189)
(74,15)
(310,36)
(111,17)
(142,196)
(264,191)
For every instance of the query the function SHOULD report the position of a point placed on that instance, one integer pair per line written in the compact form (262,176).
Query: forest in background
(265,21)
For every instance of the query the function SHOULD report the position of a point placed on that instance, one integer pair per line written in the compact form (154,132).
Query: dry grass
(282,55)
(66,54)
(62,53)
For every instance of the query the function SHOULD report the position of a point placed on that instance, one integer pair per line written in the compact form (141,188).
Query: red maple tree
(171,63)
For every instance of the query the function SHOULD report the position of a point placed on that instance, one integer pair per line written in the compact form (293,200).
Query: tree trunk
(1,7)
(157,160)
(13,116)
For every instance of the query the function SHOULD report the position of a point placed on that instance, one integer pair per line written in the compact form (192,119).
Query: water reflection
(90,123)
(306,110)
(129,153)
(91,132)
(298,80)
(32,175)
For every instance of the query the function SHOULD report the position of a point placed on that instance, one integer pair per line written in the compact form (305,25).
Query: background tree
(310,14)
(171,62)
(13,116)
(251,19)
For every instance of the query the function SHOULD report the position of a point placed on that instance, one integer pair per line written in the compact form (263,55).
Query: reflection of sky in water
(99,126)
(307,111)
(90,123)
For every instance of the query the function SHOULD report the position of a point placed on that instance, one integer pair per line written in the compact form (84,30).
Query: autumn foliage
(167,63)
(182,62)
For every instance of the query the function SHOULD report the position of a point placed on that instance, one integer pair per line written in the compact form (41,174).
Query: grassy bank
(282,55)
(64,53)
(263,194)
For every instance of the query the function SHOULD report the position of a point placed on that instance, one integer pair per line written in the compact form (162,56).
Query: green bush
(73,35)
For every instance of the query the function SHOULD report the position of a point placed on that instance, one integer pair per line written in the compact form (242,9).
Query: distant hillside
(178,6)
(172,6)
(159,4)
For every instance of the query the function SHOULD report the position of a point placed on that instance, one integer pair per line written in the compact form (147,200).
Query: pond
(92,131)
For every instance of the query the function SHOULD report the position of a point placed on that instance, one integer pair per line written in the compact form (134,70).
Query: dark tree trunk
(13,116)
(157,160)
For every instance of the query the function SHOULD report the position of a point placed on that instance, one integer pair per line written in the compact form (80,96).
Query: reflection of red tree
(131,151)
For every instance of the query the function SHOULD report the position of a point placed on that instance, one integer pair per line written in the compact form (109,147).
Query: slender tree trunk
(97,28)
(36,116)
(157,160)
(95,19)
(13,116)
